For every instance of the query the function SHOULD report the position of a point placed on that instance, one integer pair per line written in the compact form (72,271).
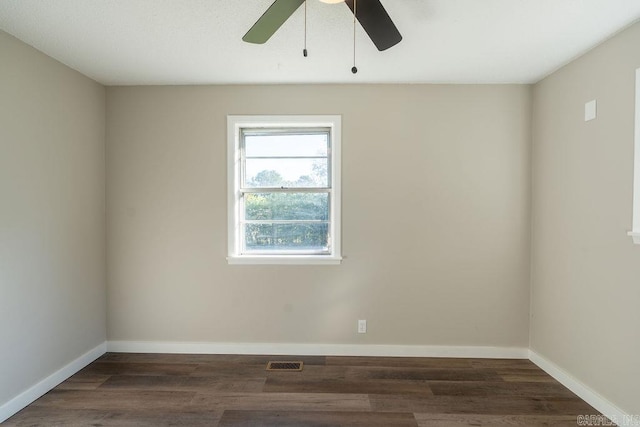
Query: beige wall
(52,216)
(436,192)
(585,269)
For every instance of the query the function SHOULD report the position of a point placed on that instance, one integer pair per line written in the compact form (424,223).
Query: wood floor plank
(235,418)
(283,401)
(315,373)
(431,374)
(81,381)
(115,399)
(503,364)
(501,388)
(292,385)
(211,359)
(525,375)
(339,379)
(401,362)
(184,383)
(128,368)
(36,416)
(494,405)
(264,359)
(455,420)
(229,370)
(162,358)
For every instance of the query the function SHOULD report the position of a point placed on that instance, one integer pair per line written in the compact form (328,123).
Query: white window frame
(235,125)
(635,232)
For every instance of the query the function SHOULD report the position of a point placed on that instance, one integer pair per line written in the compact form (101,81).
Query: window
(284,189)
(635,233)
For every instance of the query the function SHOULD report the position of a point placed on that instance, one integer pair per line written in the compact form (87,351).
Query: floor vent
(284,366)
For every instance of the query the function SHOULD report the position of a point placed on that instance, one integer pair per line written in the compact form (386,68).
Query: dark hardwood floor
(208,390)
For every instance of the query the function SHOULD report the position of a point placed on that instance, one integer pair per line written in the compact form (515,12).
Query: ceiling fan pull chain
(304,51)
(355,10)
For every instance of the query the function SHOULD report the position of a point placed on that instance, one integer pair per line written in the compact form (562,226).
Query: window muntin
(284,193)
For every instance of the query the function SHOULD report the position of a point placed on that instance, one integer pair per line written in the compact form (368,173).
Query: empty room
(320,212)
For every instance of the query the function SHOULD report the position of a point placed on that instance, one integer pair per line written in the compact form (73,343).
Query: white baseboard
(317,349)
(586,393)
(32,393)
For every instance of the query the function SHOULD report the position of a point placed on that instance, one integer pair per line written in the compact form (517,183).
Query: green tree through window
(281,214)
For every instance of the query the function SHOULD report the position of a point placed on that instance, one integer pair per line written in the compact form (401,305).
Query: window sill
(635,235)
(284,260)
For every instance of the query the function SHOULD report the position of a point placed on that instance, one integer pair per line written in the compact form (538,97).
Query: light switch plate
(590,110)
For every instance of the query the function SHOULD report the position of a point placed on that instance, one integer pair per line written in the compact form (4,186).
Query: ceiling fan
(370,13)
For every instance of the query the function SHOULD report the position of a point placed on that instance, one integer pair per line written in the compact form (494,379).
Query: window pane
(287,206)
(293,173)
(286,145)
(286,237)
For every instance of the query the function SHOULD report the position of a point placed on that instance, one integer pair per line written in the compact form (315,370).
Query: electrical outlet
(362,326)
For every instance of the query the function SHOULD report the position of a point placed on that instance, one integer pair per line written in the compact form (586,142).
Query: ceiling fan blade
(271,20)
(377,23)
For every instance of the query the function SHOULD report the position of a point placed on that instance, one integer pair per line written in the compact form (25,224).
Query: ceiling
(157,42)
